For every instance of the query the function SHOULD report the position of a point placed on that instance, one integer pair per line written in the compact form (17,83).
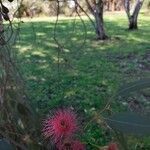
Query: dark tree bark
(2,41)
(133,23)
(96,8)
(133,17)
(99,21)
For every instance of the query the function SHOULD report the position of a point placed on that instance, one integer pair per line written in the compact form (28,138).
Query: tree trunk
(108,5)
(113,5)
(132,18)
(2,37)
(133,23)
(100,31)
(96,8)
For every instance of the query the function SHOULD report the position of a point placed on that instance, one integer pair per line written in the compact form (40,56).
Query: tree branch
(89,6)
(93,23)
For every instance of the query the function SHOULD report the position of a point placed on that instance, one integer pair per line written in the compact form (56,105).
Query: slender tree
(96,8)
(133,16)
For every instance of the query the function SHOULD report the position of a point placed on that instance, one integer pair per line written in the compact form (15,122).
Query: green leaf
(129,123)
(126,90)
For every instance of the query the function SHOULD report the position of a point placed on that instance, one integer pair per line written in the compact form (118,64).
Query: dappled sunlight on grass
(37,53)
(89,72)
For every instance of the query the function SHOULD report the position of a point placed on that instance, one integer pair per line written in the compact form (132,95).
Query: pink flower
(77,145)
(61,125)
(113,146)
(64,145)
(73,145)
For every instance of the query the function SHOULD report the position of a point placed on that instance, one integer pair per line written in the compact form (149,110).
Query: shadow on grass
(83,69)
(86,77)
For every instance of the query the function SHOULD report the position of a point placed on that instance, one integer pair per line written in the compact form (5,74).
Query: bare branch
(93,23)
(89,6)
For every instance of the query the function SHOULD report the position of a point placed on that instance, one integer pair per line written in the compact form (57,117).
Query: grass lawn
(89,73)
